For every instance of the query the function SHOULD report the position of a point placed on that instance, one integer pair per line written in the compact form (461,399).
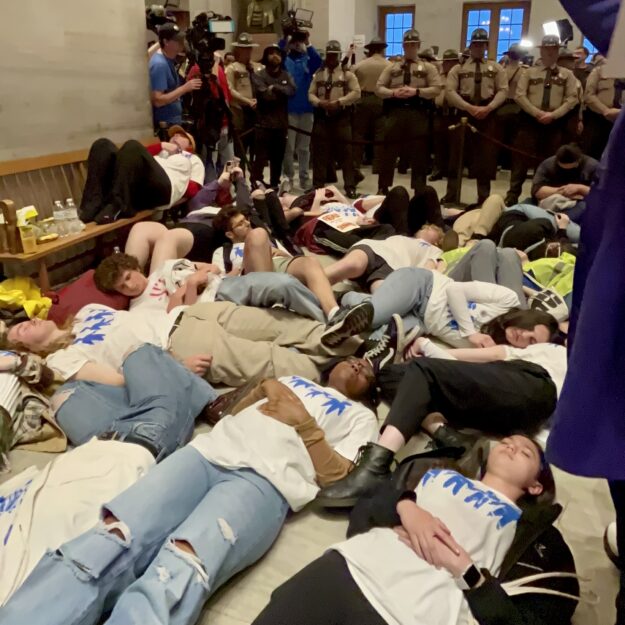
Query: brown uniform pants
(248,343)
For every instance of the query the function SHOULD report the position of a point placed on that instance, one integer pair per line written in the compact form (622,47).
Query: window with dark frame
(505,22)
(393,22)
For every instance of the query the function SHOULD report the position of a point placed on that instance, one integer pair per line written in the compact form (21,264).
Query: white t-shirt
(400,251)
(42,509)
(105,336)
(275,450)
(406,590)
(549,356)
(181,169)
(166,280)
(236,257)
(457,309)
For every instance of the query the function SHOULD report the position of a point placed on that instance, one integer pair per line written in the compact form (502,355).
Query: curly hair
(223,219)
(111,269)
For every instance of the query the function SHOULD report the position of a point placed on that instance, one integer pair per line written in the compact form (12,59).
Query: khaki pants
(479,221)
(248,343)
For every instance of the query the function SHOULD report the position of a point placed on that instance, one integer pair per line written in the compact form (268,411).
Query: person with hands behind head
(450,537)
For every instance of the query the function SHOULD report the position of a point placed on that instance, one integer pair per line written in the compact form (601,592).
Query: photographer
(165,83)
(273,86)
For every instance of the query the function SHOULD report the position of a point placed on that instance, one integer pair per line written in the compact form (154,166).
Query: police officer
(546,93)
(444,116)
(604,99)
(574,120)
(243,103)
(408,89)
(333,92)
(368,122)
(478,87)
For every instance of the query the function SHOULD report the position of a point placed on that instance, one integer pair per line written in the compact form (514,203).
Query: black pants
(479,154)
(424,208)
(368,124)
(406,127)
(532,138)
(271,212)
(270,145)
(323,593)
(335,242)
(128,178)
(243,121)
(205,240)
(498,398)
(514,229)
(617,490)
(441,142)
(331,143)
(597,131)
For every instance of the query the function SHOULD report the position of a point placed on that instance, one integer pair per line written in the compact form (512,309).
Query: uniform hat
(376,42)
(412,36)
(170,31)
(244,41)
(479,35)
(550,41)
(466,52)
(333,46)
(450,55)
(428,55)
(179,130)
(516,47)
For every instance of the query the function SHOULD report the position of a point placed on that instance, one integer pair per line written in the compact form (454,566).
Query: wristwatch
(470,578)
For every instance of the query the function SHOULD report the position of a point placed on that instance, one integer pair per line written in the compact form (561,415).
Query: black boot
(371,468)
(475,448)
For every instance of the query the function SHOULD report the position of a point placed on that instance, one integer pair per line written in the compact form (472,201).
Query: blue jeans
(264,289)
(405,292)
(535,212)
(229,517)
(158,404)
(300,143)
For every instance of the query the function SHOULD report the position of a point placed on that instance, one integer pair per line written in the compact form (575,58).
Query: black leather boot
(372,466)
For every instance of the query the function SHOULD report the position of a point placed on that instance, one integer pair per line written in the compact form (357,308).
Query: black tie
(407,77)
(619,87)
(329,84)
(477,83)
(547,88)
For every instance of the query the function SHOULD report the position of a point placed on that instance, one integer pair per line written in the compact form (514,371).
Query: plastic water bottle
(73,223)
(59,218)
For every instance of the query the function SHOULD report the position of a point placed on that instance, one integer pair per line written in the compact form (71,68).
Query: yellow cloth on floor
(24,293)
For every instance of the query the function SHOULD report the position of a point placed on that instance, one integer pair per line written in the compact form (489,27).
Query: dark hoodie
(273,90)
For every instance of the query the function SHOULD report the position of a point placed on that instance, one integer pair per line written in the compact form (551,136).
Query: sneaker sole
(356,321)
(608,550)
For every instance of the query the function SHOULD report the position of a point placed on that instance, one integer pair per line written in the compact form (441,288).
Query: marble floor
(587,509)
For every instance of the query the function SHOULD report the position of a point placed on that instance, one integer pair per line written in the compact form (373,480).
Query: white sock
(333,312)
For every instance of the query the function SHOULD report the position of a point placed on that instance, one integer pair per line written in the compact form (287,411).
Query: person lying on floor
(121,182)
(335,224)
(431,303)
(370,261)
(211,509)
(511,387)
(220,341)
(251,250)
(439,553)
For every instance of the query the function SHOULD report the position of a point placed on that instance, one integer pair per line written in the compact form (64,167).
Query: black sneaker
(348,322)
(388,350)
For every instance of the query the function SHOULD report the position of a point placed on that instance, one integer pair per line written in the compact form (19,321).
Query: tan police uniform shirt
(599,95)
(344,87)
(440,100)
(563,96)
(461,84)
(423,76)
(513,73)
(368,71)
(240,83)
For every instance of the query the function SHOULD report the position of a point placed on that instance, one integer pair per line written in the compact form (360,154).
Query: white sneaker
(609,543)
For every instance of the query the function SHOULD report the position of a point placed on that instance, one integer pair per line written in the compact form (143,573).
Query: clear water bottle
(73,223)
(59,219)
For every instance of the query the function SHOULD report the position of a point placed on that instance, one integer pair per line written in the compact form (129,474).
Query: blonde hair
(45,350)
(437,229)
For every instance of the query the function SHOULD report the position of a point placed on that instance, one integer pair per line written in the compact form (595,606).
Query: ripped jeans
(229,517)
(156,408)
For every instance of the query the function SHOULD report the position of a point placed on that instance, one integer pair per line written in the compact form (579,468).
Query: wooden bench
(41,180)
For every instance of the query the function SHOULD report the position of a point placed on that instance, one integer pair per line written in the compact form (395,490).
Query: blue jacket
(302,67)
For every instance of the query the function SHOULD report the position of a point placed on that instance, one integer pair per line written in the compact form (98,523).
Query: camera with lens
(296,22)
(156,16)
(203,40)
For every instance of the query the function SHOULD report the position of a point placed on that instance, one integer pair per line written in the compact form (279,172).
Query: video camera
(156,16)
(203,40)
(295,23)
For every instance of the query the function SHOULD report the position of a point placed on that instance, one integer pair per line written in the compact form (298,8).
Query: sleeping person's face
(34,334)
(517,461)
(352,377)
(522,338)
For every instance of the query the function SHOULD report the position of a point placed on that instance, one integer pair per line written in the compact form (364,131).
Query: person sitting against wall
(500,390)
(122,181)
(442,548)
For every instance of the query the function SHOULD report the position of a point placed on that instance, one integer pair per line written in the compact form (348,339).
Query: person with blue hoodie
(302,61)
